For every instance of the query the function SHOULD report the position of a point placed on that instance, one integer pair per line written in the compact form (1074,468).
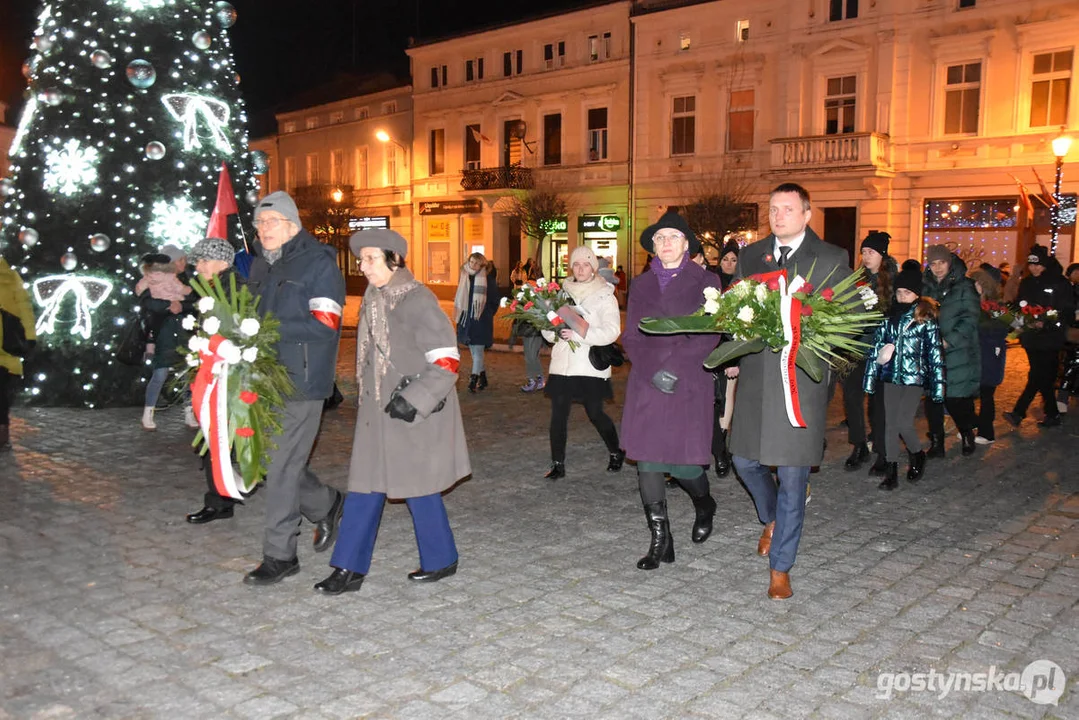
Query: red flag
(1024,197)
(1049,198)
(225,206)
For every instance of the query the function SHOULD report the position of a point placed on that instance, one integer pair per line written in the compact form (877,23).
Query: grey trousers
(532,346)
(292,490)
(900,404)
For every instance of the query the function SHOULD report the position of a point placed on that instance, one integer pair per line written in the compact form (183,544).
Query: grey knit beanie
(211,249)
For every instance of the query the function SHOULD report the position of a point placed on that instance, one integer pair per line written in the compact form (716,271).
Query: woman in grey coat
(410,441)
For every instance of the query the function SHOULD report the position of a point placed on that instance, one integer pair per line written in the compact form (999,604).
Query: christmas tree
(132,107)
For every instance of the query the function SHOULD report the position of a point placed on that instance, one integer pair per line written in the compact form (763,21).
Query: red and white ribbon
(555,318)
(326,310)
(790,313)
(448,358)
(209,400)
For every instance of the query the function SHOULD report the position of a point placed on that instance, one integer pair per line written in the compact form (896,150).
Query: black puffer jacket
(1051,290)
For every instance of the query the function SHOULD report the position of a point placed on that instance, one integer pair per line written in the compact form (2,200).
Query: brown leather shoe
(764,545)
(779,586)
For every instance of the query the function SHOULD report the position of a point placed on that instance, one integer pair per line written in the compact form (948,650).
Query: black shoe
(917,466)
(1012,418)
(208,514)
(326,528)
(662,548)
(472,381)
(879,466)
(705,509)
(433,575)
(272,571)
(340,581)
(858,456)
(891,477)
(558,470)
(615,460)
(482,384)
(723,464)
(1050,421)
(936,446)
(968,443)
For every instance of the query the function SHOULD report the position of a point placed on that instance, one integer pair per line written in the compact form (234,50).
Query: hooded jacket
(960,311)
(1052,290)
(918,358)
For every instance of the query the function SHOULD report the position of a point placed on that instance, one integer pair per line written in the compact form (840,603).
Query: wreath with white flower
(238,386)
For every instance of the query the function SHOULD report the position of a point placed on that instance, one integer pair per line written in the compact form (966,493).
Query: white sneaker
(148,419)
(1062,407)
(189,417)
(979,440)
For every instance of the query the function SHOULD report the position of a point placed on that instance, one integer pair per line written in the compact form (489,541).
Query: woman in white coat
(572,377)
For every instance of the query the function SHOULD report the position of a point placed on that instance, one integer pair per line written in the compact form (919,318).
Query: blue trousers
(785,503)
(359,527)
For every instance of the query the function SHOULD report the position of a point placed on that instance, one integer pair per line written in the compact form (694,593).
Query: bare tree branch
(719,204)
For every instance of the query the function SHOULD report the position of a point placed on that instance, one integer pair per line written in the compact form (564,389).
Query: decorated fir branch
(238,386)
(829,321)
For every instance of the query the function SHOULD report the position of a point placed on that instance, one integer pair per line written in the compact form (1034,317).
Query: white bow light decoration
(187,109)
(49,293)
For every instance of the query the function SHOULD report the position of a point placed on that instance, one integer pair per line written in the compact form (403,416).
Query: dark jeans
(987,412)
(7,389)
(961,410)
(560,407)
(854,404)
(1041,379)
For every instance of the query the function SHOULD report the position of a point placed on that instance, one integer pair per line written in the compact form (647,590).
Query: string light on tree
(50,293)
(187,109)
(177,222)
(70,168)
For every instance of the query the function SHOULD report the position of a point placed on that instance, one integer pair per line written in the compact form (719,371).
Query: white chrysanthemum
(206,304)
(188,322)
(740,289)
(250,327)
(192,360)
(746,314)
(711,293)
(211,325)
(711,307)
(542,282)
(250,354)
(229,352)
(504,302)
(761,293)
(197,343)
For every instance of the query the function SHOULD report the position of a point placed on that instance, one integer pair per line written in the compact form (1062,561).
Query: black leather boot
(858,456)
(483,381)
(705,507)
(891,477)
(558,470)
(472,381)
(936,446)
(662,548)
(968,443)
(615,461)
(723,464)
(917,466)
(879,466)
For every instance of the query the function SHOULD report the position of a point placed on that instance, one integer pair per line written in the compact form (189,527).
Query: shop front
(452,230)
(599,232)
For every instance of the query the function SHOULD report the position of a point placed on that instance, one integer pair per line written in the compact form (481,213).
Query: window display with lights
(132,107)
(986,230)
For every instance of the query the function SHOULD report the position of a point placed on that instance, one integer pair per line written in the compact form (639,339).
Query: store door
(840,228)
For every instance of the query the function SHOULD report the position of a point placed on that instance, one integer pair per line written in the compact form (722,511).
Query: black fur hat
(674,221)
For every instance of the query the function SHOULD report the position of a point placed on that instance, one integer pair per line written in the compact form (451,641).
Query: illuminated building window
(962,98)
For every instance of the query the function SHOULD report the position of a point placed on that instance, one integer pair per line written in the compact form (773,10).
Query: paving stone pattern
(111,606)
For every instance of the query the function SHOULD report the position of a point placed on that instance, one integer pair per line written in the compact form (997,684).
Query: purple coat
(656,427)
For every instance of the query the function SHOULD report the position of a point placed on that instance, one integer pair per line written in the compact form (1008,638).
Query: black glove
(401,409)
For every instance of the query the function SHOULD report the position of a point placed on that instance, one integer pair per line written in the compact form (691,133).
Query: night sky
(285,47)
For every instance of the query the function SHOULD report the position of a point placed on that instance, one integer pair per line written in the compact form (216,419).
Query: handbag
(132,350)
(15,342)
(606,356)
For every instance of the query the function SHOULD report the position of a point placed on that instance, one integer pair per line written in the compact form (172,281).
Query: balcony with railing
(852,151)
(513,177)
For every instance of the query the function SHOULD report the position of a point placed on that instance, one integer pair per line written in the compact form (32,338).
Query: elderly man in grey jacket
(297,279)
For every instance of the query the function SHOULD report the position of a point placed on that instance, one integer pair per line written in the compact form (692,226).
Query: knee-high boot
(705,509)
(662,547)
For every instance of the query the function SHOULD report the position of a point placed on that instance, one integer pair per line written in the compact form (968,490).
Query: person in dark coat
(1045,287)
(946,282)
(667,418)
(474,308)
(727,269)
(1069,376)
(761,434)
(993,339)
(880,272)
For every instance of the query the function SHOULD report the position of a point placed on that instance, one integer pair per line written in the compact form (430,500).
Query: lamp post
(1061,145)
(384,137)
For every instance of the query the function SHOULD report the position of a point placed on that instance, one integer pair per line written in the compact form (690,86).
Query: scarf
(462,305)
(581,290)
(665,275)
(374,330)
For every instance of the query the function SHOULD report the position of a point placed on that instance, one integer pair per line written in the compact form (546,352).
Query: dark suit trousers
(784,502)
(212,499)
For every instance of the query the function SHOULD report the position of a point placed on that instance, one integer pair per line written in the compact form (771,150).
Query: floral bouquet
(996,312)
(237,385)
(543,305)
(810,328)
(1032,318)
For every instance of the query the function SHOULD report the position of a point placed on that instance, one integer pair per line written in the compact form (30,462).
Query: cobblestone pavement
(111,606)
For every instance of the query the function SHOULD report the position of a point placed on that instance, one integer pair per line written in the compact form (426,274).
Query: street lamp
(384,137)
(1061,144)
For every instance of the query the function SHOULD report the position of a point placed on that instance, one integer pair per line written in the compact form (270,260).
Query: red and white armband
(447,358)
(326,311)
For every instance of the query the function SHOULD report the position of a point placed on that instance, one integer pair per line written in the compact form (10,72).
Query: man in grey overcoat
(761,435)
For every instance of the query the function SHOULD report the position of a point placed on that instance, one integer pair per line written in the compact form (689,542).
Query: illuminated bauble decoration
(252,197)
(100,242)
(225,14)
(201,39)
(7,187)
(43,43)
(68,261)
(141,74)
(260,161)
(28,237)
(155,150)
(101,59)
(52,96)
(29,68)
